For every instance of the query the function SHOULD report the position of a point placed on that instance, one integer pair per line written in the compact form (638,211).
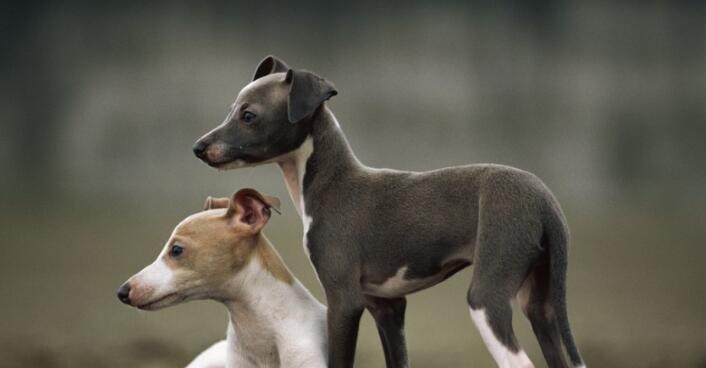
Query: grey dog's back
(405,212)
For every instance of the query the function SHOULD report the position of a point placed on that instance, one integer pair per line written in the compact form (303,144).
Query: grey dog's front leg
(343,322)
(389,318)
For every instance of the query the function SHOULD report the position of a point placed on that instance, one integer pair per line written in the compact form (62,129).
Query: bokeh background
(100,104)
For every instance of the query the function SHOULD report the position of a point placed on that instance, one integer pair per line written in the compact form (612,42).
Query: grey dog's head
(270,117)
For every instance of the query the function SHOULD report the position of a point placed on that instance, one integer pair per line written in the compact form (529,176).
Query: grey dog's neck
(332,154)
(324,158)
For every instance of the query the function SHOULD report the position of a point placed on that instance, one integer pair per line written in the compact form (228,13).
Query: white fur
(293,166)
(392,287)
(398,286)
(213,357)
(270,317)
(271,321)
(158,276)
(306,221)
(504,358)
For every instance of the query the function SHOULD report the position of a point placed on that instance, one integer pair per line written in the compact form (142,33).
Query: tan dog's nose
(124,293)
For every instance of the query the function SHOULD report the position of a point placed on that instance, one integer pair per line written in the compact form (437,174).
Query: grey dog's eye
(248,117)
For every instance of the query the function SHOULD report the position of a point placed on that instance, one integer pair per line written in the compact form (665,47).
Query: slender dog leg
(534,300)
(389,318)
(496,281)
(494,322)
(343,322)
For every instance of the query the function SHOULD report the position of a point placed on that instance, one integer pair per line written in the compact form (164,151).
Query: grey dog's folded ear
(213,203)
(269,65)
(307,91)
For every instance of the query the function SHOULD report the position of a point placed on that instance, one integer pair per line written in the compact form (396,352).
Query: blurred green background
(100,104)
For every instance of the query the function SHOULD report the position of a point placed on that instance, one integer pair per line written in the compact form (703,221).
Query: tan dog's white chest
(275,324)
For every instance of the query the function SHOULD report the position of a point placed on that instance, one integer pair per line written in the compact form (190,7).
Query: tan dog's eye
(176,250)
(248,117)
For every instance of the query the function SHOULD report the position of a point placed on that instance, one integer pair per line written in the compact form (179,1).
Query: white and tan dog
(221,254)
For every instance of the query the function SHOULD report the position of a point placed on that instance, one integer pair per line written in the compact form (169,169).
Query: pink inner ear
(253,210)
(249,216)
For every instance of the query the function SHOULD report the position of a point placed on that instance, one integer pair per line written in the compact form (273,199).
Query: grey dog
(376,235)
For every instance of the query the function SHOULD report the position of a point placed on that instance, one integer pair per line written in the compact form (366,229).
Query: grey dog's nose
(124,293)
(200,149)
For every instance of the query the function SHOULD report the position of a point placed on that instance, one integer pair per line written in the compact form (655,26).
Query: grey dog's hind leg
(536,305)
(491,312)
(505,252)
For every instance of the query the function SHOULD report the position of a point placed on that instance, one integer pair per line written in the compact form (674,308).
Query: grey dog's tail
(558,238)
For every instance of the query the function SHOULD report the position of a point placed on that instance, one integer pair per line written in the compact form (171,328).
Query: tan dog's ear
(251,209)
(214,203)
(272,202)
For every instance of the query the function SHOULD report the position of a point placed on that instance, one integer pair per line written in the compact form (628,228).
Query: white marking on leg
(504,358)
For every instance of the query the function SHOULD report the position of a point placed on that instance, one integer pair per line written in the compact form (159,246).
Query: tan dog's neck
(266,301)
(265,266)
(271,260)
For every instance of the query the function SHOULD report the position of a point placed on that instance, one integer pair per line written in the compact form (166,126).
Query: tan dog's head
(204,252)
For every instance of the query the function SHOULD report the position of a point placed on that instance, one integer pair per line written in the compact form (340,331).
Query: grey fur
(369,223)
(268,66)
(307,92)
